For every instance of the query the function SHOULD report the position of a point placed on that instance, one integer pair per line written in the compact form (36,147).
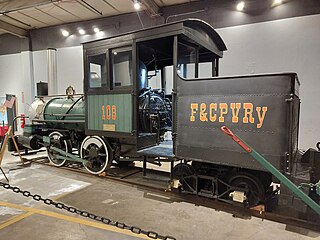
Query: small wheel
(55,142)
(252,187)
(184,173)
(98,154)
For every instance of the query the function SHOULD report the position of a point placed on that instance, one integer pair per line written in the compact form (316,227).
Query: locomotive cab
(130,84)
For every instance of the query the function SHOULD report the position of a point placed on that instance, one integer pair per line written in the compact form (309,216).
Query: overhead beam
(7,27)
(152,7)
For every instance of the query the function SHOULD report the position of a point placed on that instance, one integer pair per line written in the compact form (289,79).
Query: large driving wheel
(98,154)
(251,186)
(64,145)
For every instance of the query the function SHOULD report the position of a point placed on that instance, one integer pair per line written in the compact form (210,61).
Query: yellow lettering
(223,111)
(194,108)
(248,109)
(203,114)
(114,112)
(103,114)
(235,107)
(108,112)
(261,116)
(213,117)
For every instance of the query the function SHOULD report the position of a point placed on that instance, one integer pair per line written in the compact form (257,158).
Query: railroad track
(129,176)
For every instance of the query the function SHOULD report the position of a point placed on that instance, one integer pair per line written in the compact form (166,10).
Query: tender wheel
(55,142)
(184,173)
(97,152)
(251,186)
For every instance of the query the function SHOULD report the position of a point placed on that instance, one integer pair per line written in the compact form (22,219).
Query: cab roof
(197,30)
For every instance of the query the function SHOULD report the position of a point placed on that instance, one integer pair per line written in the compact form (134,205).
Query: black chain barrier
(85,214)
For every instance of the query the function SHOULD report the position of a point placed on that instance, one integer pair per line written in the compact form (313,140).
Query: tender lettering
(213,112)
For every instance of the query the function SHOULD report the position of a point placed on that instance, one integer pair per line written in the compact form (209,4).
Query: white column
(52,71)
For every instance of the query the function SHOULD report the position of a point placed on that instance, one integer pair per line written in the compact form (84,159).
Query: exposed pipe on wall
(183,14)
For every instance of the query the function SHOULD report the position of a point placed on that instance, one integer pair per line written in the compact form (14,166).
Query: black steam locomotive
(156,94)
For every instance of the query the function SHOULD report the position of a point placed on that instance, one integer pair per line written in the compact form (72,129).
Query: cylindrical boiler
(65,113)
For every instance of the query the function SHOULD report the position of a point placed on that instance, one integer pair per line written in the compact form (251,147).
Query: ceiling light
(115,53)
(65,33)
(137,5)
(100,34)
(277,2)
(240,6)
(96,30)
(81,31)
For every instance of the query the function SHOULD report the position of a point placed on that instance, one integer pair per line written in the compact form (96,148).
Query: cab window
(97,71)
(121,59)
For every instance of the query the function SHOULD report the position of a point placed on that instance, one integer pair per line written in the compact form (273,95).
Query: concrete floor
(23,218)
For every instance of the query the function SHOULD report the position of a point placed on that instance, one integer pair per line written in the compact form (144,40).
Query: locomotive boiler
(143,86)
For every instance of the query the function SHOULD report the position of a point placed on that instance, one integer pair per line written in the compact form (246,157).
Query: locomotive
(156,94)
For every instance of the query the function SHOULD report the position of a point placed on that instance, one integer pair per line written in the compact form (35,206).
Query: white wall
(15,72)
(281,46)
(69,68)
(40,66)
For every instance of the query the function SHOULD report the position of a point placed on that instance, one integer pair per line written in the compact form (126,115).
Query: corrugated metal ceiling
(33,14)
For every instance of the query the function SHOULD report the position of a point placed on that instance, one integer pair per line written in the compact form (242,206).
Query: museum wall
(16,78)
(69,68)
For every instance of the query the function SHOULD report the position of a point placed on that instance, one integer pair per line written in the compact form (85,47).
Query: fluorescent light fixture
(81,31)
(277,2)
(96,30)
(240,6)
(137,5)
(65,33)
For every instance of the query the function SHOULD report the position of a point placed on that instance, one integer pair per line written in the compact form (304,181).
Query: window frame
(214,61)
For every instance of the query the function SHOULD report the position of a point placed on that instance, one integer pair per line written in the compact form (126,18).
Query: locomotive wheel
(98,154)
(251,186)
(66,146)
